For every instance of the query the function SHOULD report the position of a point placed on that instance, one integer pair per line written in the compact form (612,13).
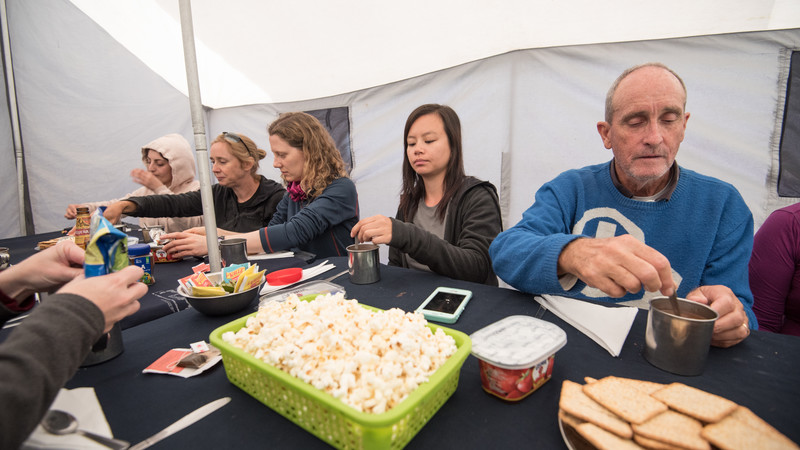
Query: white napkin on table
(276,255)
(311,272)
(81,403)
(606,325)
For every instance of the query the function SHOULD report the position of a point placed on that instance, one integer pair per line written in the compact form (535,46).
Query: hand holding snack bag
(107,250)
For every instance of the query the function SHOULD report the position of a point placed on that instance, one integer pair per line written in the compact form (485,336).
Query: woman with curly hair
(321,205)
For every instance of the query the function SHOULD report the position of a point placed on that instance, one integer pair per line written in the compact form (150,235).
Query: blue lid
(138,250)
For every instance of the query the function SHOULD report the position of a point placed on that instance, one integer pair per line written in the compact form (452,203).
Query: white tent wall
(87,105)
(541,108)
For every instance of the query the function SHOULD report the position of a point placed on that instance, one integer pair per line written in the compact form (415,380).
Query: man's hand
(377,229)
(185,244)
(116,294)
(732,325)
(617,265)
(146,179)
(47,270)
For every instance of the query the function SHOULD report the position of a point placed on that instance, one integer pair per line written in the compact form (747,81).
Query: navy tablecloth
(760,373)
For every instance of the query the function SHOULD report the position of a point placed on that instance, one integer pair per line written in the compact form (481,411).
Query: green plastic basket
(329,418)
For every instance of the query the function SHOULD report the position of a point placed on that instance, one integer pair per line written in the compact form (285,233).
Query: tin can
(140,255)
(82,224)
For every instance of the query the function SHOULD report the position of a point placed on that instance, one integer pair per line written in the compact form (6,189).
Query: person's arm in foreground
(45,350)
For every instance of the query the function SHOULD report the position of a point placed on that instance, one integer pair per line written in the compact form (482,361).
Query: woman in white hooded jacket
(170,170)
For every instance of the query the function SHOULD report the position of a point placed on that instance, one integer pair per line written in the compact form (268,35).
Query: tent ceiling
(252,51)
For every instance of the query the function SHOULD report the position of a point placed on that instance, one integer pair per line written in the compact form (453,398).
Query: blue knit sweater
(705,230)
(320,226)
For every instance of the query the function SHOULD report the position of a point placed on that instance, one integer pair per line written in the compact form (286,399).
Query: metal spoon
(673,300)
(61,422)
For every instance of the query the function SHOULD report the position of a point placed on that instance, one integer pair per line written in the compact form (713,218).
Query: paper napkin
(275,255)
(81,403)
(607,325)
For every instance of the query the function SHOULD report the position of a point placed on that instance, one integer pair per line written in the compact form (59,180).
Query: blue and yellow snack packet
(107,250)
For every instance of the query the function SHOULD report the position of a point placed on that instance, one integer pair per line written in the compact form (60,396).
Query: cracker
(648,387)
(575,402)
(750,419)
(569,419)
(694,402)
(604,440)
(632,405)
(652,443)
(743,429)
(674,428)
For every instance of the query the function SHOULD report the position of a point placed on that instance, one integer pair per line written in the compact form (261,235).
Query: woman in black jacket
(446,219)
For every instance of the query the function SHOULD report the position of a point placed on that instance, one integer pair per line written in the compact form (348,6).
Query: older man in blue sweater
(639,224)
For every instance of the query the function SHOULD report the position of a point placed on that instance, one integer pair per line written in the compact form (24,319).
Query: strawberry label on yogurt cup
(516,355)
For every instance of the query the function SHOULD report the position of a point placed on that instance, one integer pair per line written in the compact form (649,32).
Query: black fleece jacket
(472,222)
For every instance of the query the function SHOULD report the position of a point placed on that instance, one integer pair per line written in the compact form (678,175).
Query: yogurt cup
(516,355)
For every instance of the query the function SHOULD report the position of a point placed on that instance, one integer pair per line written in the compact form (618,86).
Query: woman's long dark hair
(413,188)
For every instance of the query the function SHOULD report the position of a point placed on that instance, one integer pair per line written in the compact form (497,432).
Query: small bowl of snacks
(219,293)
(516,355)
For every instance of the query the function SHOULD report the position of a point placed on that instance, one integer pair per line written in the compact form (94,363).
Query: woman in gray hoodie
(170,170)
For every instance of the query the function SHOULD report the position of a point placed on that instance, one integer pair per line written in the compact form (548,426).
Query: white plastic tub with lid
(516,355)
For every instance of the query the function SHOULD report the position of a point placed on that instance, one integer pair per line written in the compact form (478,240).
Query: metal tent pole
(14,114)
(198,125)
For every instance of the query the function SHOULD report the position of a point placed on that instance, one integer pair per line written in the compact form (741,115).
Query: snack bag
(107,250)
(195,279)
(252,269)
(232,272)
(250,281)
(207,291)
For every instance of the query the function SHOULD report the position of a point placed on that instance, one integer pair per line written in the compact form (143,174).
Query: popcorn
(369,360)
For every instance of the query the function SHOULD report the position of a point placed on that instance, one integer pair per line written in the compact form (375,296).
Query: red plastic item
(285,276)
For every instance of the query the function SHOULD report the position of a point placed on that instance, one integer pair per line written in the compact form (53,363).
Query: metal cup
(679,344)
(233,251)
(109,346)
(363,263)
(5,258)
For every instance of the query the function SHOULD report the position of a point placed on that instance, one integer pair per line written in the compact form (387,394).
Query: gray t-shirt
(426,218)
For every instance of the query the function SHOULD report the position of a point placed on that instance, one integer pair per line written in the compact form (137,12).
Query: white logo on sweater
(607,229)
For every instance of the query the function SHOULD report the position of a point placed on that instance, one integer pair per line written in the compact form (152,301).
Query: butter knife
(183,422)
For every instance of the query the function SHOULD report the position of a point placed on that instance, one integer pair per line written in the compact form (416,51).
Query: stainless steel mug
(679,344)
(109,346)
(233,251)
(363,263)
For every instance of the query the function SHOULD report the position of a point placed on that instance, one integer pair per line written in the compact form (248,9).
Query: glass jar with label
(82,223)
